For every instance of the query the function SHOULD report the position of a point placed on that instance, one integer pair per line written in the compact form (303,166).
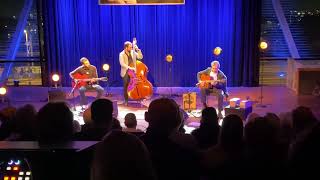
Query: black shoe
(226,94)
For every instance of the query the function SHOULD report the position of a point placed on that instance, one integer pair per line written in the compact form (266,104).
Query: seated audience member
(121,156)
(170,160)
(207,134)
(130,121)
(286,130)
(251,116)
(263,149)
(304,155)
(23,124)
(101,121)
(179,136)
(302,120)
(228,155)
(54,123)
(55,129)
(6,116)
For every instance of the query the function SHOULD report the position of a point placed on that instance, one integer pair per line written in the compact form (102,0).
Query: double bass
(139,87)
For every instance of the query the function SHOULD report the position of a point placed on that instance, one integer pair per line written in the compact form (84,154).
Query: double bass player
(127,59)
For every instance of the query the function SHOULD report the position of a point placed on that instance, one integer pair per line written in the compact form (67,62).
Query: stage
(277,100)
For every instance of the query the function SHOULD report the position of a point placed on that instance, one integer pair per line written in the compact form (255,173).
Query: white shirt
(213,75)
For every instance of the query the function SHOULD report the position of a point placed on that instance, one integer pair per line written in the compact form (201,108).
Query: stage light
(3,91)
(106,67)
(169,58)
(55,77)
(263,45)
(217,51)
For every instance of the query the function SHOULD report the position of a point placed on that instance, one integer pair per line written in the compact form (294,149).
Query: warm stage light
(217,51)
(106,67)
(55,77)
(169,58)
(3,91)
(263,45)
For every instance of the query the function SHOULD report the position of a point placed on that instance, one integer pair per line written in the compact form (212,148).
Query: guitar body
(139,87)
(207,83)
(79,84)
(84,80)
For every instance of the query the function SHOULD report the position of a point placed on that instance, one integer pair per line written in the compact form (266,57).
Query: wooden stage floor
(277,99)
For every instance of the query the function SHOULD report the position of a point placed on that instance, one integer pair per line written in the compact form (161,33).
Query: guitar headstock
(134,41)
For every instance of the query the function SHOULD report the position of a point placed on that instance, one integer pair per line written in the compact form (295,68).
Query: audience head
(7,113)
(231,133)
(302,118)
(286,119)
(209,117)
(130,120)
(251,117)
(25,118)
(54,123)
(273,118)
(261,132)
(163,116)
(101,111)
(121,156)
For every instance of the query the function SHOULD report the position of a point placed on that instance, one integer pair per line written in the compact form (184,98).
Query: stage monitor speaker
(56,95)
(241,112)
(189,101)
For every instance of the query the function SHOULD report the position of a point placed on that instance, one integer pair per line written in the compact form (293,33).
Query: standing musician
(127,59)
(213,81)
(89,74)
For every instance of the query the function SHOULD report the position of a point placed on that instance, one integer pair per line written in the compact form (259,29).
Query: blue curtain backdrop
(77,28)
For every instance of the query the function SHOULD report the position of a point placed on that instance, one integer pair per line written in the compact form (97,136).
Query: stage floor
(277,99)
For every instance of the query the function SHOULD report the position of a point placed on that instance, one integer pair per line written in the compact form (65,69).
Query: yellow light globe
(263,45)
(217,51)
(169,58)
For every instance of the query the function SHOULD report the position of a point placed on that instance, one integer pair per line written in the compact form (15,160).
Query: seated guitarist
(212,80)
(88,73)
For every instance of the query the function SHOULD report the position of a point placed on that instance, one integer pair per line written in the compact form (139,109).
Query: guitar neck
(89,79)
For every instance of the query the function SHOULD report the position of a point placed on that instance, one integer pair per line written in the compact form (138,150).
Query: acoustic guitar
(207,82)
(84,80)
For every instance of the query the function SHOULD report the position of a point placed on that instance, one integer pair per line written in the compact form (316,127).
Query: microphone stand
(72,92)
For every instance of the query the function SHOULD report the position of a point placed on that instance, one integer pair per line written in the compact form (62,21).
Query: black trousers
(126,80)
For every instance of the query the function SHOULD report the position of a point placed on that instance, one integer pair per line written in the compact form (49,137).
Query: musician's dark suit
(219,90)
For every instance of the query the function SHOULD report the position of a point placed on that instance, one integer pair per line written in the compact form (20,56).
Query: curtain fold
(77,28)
